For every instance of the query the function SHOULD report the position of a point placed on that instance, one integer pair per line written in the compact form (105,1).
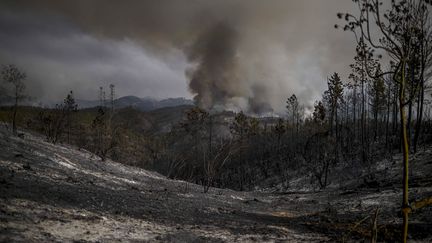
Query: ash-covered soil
(56,193)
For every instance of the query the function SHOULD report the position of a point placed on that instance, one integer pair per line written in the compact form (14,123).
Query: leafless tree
(399,35)
(13,76)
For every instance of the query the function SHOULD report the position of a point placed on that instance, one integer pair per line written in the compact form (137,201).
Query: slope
(57,193)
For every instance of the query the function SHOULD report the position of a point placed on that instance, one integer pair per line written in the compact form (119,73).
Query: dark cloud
(243,54)
(58,56)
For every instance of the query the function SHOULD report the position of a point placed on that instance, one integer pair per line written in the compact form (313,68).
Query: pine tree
(377,101)
(335,98)
(69,107)
(293,109)
(319,113)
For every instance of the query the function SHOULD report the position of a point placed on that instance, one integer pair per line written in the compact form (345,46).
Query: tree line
(381,108)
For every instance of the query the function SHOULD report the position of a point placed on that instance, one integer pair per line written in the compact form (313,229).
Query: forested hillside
(297,131)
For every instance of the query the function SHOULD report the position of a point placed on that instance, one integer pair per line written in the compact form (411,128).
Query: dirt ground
(56,193)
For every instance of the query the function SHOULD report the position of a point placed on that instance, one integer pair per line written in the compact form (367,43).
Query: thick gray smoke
(214,76)
(242,54)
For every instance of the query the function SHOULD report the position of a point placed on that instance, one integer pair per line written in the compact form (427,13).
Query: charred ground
(58,193)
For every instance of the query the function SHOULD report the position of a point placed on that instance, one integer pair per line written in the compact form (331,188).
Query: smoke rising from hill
(214,77)
(242,54)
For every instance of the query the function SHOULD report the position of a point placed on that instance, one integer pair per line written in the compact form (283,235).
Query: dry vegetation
(357,167)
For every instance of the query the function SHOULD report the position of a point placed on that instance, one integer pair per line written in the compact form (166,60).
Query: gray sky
(241,54)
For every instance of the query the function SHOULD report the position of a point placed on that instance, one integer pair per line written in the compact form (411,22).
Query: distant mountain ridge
(142,104)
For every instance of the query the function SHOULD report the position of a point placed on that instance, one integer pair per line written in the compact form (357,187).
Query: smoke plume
(214,76)
(241,54)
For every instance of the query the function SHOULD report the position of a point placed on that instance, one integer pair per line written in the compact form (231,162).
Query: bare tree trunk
(375,124)
(374,227)
(420,98)
(405,202)
(210,135)
(409,123)
(354,111)
(337,123)
(14,126)
(363,123)
(387,118)
(395,119)
(69,128)
(419,117)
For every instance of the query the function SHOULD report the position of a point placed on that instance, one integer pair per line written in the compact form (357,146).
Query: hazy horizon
(244,54)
